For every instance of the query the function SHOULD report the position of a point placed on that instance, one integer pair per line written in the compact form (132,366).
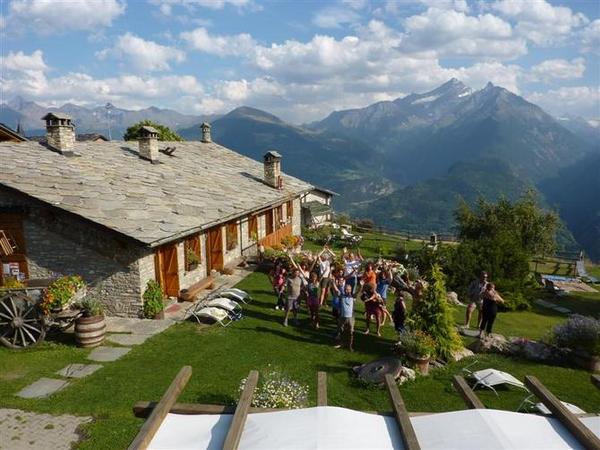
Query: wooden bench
(190,294)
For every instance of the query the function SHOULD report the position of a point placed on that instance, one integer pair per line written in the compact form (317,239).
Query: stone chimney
(273,169)
(148,142)
(60,133)
(205,127)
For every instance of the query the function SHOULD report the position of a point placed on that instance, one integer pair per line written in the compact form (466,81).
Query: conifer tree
(433,315)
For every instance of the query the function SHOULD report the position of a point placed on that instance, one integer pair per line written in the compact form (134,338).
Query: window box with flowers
(231,236)
(192,253)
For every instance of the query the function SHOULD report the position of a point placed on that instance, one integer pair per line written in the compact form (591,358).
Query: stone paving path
(550,305)
(32,431)
(22,430)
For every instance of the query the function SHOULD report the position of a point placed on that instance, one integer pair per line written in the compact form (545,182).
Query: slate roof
(201,185)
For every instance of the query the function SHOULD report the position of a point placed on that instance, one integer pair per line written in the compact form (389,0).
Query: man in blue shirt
(346,318)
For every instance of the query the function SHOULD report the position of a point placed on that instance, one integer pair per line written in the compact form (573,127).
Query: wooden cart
(23,324)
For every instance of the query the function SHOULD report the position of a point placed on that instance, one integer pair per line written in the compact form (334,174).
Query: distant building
(316,208)
(122,213)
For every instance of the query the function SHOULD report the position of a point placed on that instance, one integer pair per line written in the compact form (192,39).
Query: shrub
(416,342)
(515,301)
(276,390)
(578,333)
(91,307)
(12,283)
(433,315)
(153,299)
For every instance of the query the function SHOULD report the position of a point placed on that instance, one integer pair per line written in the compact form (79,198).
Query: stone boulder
(406,374)
(452,298)
(462,353)
(494,343)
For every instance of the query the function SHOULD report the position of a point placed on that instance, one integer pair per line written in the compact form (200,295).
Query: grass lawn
(221,357)
(374,245)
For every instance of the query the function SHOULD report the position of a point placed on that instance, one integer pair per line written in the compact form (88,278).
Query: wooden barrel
(90,331)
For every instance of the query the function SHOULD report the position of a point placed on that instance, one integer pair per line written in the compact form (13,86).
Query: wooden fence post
(232,441)
(471,400)
(160,411)
(583,434)
(409,437)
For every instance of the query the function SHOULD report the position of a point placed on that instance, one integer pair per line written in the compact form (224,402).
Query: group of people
(484,298)
(320,281)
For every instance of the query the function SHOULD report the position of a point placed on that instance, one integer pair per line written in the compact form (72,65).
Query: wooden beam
(144,409)
(465,391)
(596,380)
(232,441)
(152,424)
(409,438)
(583,434)
(321,389)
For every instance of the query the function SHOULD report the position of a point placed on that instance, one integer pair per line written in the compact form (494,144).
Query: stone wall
(58,243)
(297,218)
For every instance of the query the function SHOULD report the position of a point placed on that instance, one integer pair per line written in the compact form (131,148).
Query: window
(13,262)
(253,228)
(231,235)
(193,254)
(279,221)
(290,210)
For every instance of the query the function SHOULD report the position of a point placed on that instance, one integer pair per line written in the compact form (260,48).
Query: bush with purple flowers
(578,333)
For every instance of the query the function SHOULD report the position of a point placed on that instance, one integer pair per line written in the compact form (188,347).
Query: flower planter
(421,363)
(90,331)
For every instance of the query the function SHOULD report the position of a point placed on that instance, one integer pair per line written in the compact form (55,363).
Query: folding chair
(232,307)
(492,377)
(528,404)
(235,294)
(219,315)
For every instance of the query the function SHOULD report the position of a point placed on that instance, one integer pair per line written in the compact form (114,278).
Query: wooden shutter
(269,222)
(290,210)
(216,248)
(168,269)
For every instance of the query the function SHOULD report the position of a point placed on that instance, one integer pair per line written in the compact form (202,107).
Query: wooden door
(215,249)
(168,269)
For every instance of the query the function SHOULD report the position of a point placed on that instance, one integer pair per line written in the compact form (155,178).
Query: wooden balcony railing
(275,237)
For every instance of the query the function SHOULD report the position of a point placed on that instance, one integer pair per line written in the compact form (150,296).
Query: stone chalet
(122,213)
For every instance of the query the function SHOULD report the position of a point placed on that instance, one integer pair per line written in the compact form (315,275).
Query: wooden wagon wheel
(21,321)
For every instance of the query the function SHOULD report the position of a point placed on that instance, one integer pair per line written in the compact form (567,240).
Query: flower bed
(276,390)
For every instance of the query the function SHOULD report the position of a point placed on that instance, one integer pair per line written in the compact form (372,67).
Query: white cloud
(54,17)
(539,21)
(21,62)
(26,76)
(335,17)
(558,69)
(142,55)
(166,6)
(590,38)
(236,45)
(576,100)
(457,5)
(478,75)
(454,33)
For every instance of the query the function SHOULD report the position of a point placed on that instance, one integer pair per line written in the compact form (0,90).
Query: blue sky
(297,59)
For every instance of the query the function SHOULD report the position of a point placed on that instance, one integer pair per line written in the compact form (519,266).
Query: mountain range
(407,162)
(92,120)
